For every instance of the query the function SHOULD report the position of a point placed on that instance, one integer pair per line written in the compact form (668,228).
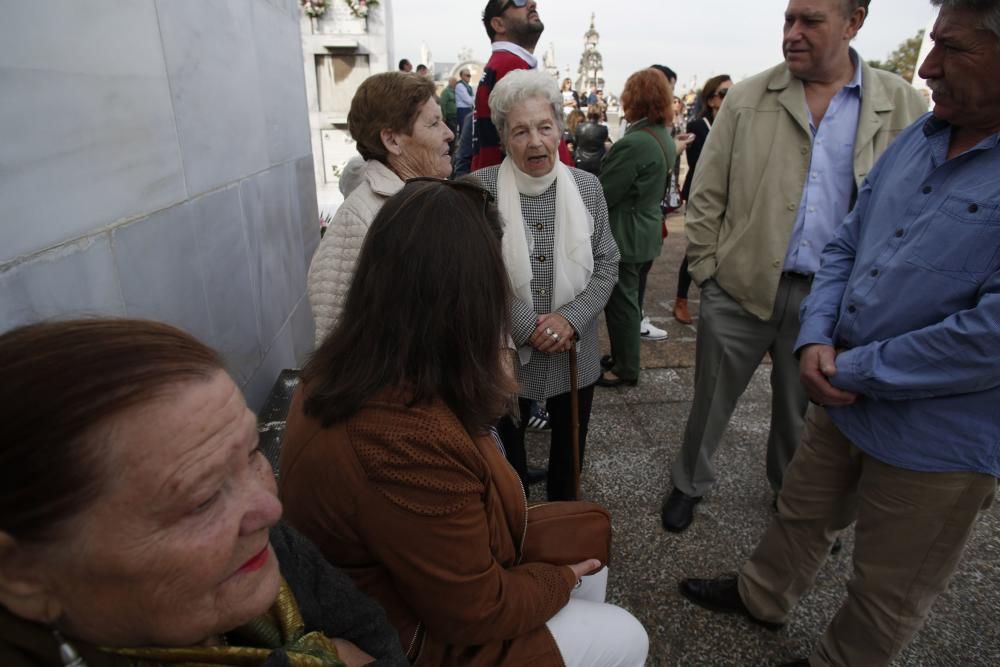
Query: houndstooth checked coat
(548,375)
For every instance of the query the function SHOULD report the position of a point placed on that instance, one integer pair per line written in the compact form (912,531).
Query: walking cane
(574,420)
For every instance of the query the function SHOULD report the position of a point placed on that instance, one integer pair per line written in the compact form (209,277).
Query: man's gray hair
(988,10)
(521,85)
(851,5)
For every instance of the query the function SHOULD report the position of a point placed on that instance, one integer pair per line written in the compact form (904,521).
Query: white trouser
(592,633)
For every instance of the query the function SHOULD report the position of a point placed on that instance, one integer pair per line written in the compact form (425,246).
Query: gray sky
(737,37)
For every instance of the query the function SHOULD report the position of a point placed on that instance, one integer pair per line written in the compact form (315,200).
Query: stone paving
(635,432)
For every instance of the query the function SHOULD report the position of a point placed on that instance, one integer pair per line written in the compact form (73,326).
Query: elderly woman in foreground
(139,521)
(391,466)
(401,133)
(562,262)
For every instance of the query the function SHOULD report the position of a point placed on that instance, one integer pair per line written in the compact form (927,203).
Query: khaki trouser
(910,530)
(731,344)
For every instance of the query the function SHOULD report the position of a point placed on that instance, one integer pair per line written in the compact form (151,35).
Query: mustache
(936,86)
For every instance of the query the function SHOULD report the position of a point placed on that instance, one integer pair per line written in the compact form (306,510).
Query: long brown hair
(60,383)
(428,311)
(709,90)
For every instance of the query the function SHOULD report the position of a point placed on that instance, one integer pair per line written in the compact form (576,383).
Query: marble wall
(156,161)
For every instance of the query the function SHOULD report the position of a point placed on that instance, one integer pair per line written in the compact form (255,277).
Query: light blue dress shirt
(910,287)
(829,186)
(464,98)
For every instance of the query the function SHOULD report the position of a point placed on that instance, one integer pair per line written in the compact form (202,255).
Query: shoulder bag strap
(660,142)
(666,159)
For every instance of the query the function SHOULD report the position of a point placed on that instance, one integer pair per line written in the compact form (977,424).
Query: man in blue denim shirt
(899,340)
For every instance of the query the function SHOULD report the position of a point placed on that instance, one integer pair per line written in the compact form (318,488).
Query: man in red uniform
(514,29)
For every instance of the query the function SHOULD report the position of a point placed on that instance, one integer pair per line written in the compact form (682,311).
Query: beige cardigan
(333,264)
(750,176)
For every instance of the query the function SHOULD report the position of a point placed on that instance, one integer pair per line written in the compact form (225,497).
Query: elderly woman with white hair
(562,261)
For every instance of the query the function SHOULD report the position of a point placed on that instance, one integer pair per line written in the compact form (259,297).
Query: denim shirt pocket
(962,238)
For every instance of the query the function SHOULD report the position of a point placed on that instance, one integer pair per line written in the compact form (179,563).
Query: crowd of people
(833,225)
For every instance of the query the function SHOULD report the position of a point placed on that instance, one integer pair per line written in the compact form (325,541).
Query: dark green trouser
(624,316)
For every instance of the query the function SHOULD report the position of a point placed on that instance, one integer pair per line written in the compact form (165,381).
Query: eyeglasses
(721,93)
(468,186)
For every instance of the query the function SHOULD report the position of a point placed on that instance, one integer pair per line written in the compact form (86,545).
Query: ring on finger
(548,331)
(555,336)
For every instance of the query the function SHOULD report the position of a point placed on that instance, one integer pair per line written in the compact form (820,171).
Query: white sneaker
(649,332)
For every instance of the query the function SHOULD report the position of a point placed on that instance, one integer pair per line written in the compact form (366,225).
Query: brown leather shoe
(681,313)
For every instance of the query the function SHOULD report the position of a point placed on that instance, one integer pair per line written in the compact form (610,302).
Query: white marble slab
(78,279)
(88,132)
(160,274)
(224,262)
(282,83)
(278,273)
(215,90)
(280,356)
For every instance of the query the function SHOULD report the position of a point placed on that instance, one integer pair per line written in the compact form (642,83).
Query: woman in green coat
(633,176)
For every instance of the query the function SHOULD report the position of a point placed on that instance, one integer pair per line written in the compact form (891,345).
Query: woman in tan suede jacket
(389,463)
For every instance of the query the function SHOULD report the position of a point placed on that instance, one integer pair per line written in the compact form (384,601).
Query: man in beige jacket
(778,173)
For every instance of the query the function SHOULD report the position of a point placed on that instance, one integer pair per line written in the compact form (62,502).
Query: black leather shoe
(796,663)
(720,595)
(677,511)
(537,475)
(607,362)
(617,382)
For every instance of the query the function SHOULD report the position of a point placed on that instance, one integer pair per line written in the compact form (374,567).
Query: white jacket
(333,264)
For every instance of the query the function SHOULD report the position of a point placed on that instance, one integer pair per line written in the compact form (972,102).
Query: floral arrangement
(360,8)
(317,8)
(314,8)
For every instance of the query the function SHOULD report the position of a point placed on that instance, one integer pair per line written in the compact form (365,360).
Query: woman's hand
(351,654)
(553,334)
(584,568)
(682,141)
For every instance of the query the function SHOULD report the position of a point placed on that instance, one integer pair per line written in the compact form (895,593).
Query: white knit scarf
(573,261)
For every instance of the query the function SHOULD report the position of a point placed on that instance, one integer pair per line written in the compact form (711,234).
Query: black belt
(795,275)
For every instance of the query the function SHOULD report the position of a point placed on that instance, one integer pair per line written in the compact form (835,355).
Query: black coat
(699,128)
(590,138)
(330,602)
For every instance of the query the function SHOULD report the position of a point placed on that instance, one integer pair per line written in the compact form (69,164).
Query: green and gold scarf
(281,627)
